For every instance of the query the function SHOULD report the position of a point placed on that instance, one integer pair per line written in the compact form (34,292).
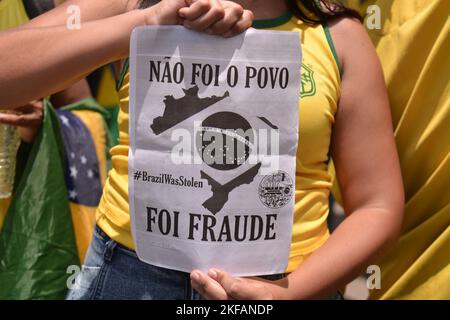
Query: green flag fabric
(37,242)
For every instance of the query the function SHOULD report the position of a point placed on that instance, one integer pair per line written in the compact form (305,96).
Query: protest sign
(213,142)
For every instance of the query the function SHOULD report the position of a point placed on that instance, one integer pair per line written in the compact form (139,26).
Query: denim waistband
(107,238)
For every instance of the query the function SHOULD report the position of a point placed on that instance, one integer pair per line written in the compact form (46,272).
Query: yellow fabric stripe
(4,204)
(413,46)
(83,219)
(12,14)
(107,94)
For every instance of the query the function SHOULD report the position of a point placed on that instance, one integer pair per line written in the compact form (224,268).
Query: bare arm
(367,168)
(368,171)
(28,118)
(90,11)
(47,59)
(62,56)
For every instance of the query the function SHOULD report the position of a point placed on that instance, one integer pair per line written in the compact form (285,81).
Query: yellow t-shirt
(318,104)
(414,48)
(12,14)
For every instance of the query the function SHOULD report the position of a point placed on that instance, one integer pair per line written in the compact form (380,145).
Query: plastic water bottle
(9,143)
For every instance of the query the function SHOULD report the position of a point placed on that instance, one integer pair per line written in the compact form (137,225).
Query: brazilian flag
(37,242)
(51,215)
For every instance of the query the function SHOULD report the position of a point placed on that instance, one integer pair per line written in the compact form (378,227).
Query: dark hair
(147,3)
(309,11)
(320,11)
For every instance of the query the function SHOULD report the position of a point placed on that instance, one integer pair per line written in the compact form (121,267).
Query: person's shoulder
(351,39)
(346,24)
(347,29)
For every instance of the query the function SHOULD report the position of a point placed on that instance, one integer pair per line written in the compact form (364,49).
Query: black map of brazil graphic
(178,110)
(221,192)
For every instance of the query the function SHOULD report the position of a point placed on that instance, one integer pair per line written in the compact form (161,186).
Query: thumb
(240,288)
(232,286)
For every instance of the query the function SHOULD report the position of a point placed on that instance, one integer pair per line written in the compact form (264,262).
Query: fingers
(224,18)
(207,287)
(245,22)
(28,118)
(240,288)
(232,286)
(217,13)
(224,26)
(13,119)
(233,23)
(19,120)
(198,8)
(35,107)
(30,115)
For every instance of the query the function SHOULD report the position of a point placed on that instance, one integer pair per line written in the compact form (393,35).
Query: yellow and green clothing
(320,91)
(414,48)
(12,14)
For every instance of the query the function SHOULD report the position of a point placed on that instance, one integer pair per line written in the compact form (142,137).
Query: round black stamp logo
(276,190)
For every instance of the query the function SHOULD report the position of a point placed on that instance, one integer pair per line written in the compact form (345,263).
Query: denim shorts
(114,272)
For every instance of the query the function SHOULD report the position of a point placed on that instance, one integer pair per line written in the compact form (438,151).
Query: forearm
(352,246)
(89,11)
(62,55)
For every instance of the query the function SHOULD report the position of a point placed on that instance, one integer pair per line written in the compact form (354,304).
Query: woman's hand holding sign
(220,285)
(224,18)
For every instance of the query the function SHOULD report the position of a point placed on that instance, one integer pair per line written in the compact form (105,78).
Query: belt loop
(109,250)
